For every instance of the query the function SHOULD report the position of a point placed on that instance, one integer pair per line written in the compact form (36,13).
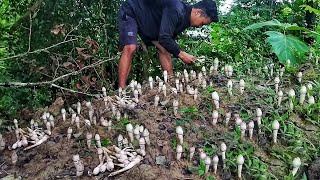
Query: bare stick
(20,84)
(74,91)
(38,50)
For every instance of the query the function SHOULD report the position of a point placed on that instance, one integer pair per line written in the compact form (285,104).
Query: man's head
(203,13)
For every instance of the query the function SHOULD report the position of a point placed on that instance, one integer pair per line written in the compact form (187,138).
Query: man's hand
(186,58)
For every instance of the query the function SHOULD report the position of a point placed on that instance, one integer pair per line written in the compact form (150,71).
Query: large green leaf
(273,22)
(286,46)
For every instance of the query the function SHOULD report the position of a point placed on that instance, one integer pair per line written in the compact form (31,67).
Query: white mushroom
(275,128)
(175,107)
(192,150)
(299,77)
(296,164)
(303,92)
(241,86)
(276,83)
(243,128)
(156,100)
(165,76)
(215,98)
(151,82)
(229,86)
(179,151)
(240,161)
(129,129)
(215,160)
(146,136)
(207,162)
(215,116)
(251,127)
(280,95)
(311,100)
(228,116)
(179,132)
(291,98)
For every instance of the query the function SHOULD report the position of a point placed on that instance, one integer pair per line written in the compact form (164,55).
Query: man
(158,22)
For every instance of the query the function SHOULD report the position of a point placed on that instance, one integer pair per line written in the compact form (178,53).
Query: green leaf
(311,9)
(201,172)
(273,22)
(285,46)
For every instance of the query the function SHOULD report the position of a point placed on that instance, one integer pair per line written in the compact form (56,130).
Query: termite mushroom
(215,160)
(243,128)
(165,76)
(241,86)
(251,127)
(98,142)
(207,162)
(215,64)
(63,113)
(229,86)
(2,143)
(215,116)
(228,116)
(179,132)
(156,100)
(240,161)
(129,129)
(175,107)
(276,83)
(280,95)
(296,164)
(223,148)
(275,128)
(78,108)
(104,91)
(259,114)
(179,151)
(192,150)
(69,133)
(78,164)
(299,77)
(215,98)
(146,136)
(151,82)
(291,98)
(303,92)
(311,100)
(88,137)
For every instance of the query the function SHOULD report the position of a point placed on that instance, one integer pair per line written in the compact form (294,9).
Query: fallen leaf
(60,28)
(67,64)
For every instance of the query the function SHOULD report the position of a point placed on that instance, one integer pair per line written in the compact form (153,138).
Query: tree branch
(20,84)
(38,50)
(73,91)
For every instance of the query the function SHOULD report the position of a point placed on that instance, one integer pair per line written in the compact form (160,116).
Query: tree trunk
(310,20)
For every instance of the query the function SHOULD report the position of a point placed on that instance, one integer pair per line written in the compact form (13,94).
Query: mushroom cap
(230,68)
(216,61)
(223,147)
(129,127)
(179,148)
(228,114)
(142,141)
(215,96)
(215,114)
(207,160)
(192,149)
(303,90)
(215,159)
(150,78)
(146,132)
(299,75)
(275,125)
(251,125)
(280,93)
(120,137)
(277,80)
(241,83)
(203,68)
(309,86)
(259,112)
(229,84)
(291,93)
(179,130)
(243,126)
(88,135)
(76,157)
(156,98)
(240,159)
(165,73)
(296,162)
(104,89)
(69,130)
(175,103)
(97,137)
(63,111)
(311,100)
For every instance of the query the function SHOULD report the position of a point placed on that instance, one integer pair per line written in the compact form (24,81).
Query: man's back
(149,14)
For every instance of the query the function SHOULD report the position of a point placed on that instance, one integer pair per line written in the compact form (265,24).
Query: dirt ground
(53,159)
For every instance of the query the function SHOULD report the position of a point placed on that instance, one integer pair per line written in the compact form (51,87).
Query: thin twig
(74,91)
(38,50)
(30,31)
(20,84)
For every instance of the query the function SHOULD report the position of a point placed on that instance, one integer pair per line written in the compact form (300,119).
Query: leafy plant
(202,169)
(286,47)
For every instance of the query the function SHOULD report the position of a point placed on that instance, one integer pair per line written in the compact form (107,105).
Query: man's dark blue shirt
(160,20)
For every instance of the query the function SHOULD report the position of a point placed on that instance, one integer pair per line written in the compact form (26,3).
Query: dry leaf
(60,28)
(67,64)
(93,45)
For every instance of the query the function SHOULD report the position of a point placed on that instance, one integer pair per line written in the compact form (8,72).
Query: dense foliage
(79,33)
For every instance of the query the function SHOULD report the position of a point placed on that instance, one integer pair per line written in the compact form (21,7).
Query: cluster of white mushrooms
(124,155)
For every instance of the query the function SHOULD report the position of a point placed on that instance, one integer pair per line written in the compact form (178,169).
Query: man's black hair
(209,9)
